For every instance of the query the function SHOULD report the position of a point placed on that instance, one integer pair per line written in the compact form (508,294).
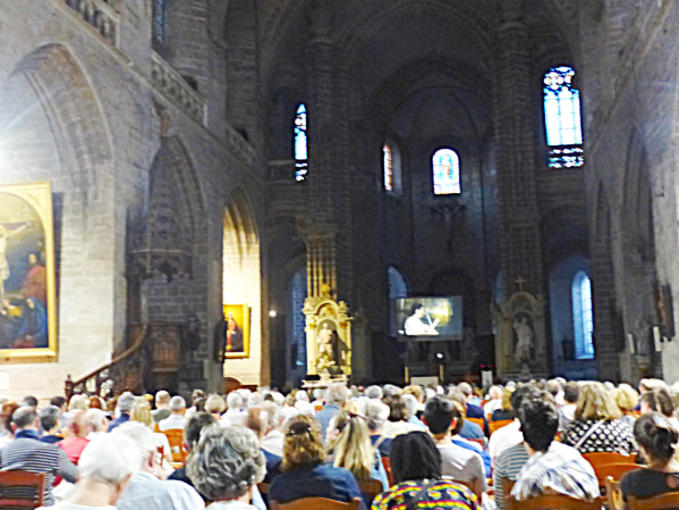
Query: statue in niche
(329,349)
(524,336)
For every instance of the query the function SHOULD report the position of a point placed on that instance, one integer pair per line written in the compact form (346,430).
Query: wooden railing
(101,376)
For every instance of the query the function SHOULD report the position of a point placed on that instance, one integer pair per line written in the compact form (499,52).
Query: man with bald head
(73,446)
(26,452)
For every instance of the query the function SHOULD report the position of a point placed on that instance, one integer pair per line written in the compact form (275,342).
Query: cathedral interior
(182,181)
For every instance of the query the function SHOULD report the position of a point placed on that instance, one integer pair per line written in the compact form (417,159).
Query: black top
(646,483)
(502,414)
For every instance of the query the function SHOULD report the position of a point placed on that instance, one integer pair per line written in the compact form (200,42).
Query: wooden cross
(521,282)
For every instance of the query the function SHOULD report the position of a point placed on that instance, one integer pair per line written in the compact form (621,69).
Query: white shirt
(396,428)
(174,421)
(234,417)
(463,465)
(504,438)
(65,505)
(146,492)
(415,327)
(491,406)
(273,442)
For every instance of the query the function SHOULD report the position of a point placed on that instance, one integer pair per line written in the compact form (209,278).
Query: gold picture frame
(236,331)
(28,303)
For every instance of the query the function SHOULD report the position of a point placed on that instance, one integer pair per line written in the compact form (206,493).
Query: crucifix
(521,282)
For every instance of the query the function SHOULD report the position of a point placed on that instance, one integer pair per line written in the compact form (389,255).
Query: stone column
(514,115)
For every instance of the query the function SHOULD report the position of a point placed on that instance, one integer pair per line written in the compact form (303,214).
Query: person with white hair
(272,442)
(124,406)
(374,392)
(225,467)
(234,415)
(376,415)
(335,396)
(145,490)
(176,420)
(105,468)
(411,411)
(494,401)
(96,421)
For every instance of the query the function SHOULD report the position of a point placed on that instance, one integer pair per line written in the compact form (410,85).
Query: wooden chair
(263,488)
(614,499)
(552,502)
(176,439)
(316,504)
(614,471)
(667,501)
(497,424)
(21,489)
(371,488)
(598,458)
(387,467)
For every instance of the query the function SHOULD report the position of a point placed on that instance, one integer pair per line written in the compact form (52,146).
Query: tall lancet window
(300,137)
(446,172)
(387,165)
(563,125)
(583,318)
(159,21)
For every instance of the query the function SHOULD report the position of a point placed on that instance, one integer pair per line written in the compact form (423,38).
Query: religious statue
(524,334)
(328,349)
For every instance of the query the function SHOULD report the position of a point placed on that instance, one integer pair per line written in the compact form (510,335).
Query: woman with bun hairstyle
(305,471)
(657,439)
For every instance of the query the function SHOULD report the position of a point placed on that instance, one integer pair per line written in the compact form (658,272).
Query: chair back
(614,499)
(371,488)
(497,424)
(598,458)
(552,502)
(263,488)
(21,489)
(614,471)
(316,504)
(176,439)
(386,462)
(667,501)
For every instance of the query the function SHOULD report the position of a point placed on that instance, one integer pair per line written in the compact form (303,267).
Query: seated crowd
(384,446)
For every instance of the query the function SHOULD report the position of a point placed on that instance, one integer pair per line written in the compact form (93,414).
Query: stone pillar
(514,115)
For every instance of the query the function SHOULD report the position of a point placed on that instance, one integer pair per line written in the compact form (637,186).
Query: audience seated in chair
(123,406)
(335,396)
(552,467)
(225,466)
(416,465)
(162,409)
(74,445)
(146,491)
(305,472)
(657,439)
(105,468)
(192,431)
(50,423)
(510,435)
(26,452)
(441,416)
(176,420)
(376,415)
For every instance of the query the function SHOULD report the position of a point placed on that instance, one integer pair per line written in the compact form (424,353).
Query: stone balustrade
(100,15)
(170,83)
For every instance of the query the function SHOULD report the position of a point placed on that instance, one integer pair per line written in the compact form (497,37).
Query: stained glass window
(583,318)
(387,168)
(301,154)
(159,20)
(298,294)
(446,172)
(563,125)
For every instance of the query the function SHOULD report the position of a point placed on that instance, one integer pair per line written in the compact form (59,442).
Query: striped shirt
(507,466)
(444,493)
(27,453)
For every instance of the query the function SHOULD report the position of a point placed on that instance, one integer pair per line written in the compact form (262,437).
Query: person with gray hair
(374,392)
(162,409)
(335,396)
(96,422)
(226,465)
(105,468)
(176,420)
(124,406)
(273,436)
(145,489)
(50,422)
(376,415)
(411,410)
(234,415)
(27,453)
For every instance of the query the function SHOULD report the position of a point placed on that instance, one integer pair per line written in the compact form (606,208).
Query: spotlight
(273,313)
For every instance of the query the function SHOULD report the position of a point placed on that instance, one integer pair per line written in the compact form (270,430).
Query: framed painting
(236,331)
(28,307)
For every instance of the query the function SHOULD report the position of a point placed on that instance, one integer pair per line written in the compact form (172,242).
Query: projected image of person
(420,322)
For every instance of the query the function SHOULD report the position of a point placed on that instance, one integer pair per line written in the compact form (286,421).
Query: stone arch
(75,118)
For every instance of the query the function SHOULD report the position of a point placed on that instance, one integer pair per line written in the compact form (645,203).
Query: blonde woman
(141,412)
(215,405)
(350,448)
(597,426)
(627,399)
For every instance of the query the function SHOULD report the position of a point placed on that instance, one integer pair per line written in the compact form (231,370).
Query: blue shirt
(326,414)
(471,430)
(118,421)
(321,481)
